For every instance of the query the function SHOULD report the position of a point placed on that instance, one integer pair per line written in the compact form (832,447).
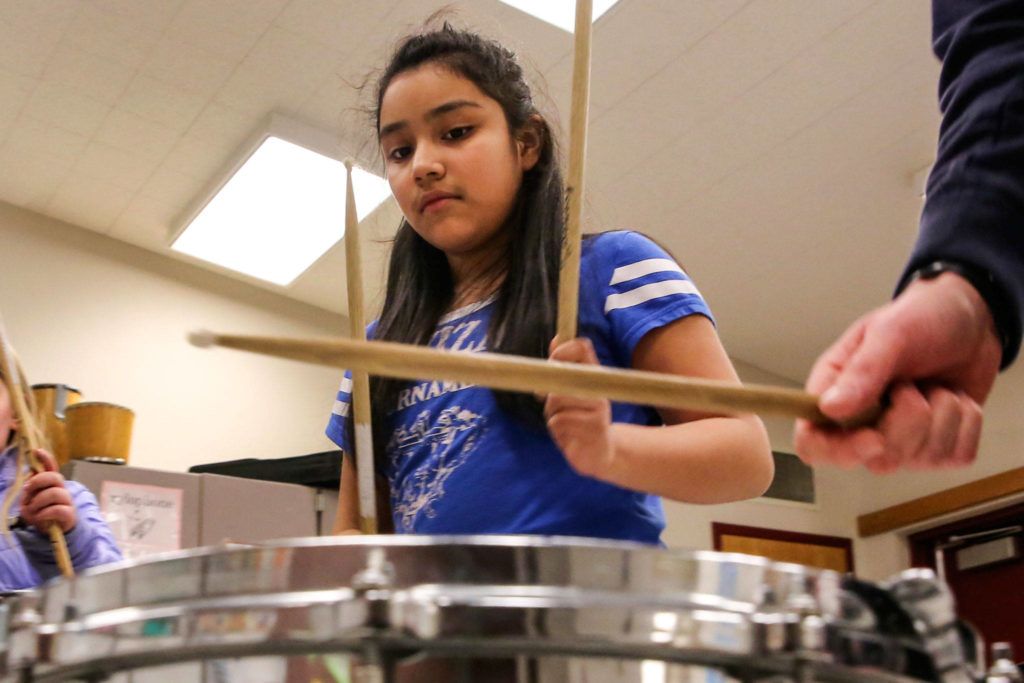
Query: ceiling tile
(131,133)
(331,22)
(279,50)
(225,42)
(152,15)
(88,201)
(15,91)
(109,36)
(172,188)
(43,139)
(648,35)
(161,103)
(29,32)
(336,106)
(82,72)
(103,163)
(199,160)
(56,105)
(221,128)
(30,181)
(191,68)
(236,17)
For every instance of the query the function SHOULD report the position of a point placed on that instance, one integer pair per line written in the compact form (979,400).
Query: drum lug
(813,633)
(930,604)
(373,584)
(23,646)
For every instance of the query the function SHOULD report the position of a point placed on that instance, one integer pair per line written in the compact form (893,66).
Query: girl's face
(451,161)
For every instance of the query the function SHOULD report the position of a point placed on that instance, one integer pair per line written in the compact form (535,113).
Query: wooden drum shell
(52,401)
(99,431)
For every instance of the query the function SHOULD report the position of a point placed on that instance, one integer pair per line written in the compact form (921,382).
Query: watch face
(936,268)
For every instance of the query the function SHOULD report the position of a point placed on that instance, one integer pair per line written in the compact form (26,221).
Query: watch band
(983,282)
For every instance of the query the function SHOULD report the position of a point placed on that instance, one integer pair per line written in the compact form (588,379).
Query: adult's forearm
(974,210)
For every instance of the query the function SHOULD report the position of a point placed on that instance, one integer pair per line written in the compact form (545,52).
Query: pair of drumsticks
(511,373)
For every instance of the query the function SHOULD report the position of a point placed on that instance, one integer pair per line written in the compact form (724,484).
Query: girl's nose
(427,164)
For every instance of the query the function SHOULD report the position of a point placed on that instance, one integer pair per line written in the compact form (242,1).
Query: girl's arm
(347,519)
(696,457)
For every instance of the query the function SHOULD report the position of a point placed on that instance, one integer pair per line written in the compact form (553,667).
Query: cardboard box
(149,511)
(249,511)
(152,511)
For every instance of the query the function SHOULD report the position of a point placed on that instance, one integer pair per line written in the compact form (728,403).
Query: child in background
(26,553)
(474,267)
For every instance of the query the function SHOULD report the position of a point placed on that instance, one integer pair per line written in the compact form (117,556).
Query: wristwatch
(985,285)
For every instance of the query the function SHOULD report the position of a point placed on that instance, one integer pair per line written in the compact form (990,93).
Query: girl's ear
(529,142)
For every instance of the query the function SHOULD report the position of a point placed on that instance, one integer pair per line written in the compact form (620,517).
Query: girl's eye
(458,132)
(399,153)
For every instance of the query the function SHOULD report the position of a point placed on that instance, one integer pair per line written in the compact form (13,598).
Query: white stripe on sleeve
(645,267)
(340,408)
(655,290)
(346,385)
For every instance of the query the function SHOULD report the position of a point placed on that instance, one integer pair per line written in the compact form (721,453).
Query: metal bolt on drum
(388,609)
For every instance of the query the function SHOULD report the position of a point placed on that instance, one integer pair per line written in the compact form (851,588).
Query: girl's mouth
(436,201)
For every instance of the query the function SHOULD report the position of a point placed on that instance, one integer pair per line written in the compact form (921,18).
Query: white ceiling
(771,144)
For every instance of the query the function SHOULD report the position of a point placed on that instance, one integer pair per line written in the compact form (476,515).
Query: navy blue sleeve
(974,211)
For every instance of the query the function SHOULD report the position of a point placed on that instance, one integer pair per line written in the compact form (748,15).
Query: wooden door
(811,550)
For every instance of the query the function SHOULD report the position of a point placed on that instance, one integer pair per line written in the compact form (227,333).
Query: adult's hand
(935,350)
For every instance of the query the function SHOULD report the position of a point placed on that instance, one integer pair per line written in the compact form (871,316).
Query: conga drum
(484,609)
(99,432)
(52,400)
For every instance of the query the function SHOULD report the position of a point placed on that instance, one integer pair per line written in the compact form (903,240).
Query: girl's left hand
(45,499)
(580,426)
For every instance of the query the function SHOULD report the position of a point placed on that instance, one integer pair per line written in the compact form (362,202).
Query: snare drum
(415,608)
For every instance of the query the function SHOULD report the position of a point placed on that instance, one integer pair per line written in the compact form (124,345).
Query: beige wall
(111,320)
(833,514)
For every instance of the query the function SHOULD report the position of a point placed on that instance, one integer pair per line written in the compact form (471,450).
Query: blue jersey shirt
(457,464)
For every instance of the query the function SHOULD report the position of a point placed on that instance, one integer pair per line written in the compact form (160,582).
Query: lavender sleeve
(90,543)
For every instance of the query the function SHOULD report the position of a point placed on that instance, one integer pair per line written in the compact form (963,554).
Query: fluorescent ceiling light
(561,13)
(279,212)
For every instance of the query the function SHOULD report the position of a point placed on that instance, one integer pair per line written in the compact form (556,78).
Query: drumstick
(569,272)
(532,375)
(28,434)
(360,397)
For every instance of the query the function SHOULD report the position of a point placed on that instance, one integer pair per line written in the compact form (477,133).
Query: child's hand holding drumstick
(45,500)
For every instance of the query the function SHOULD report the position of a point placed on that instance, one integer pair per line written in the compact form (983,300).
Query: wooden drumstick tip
(204,339)
(348,164)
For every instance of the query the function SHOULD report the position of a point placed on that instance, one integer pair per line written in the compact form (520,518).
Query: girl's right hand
(45,499)
(580,426)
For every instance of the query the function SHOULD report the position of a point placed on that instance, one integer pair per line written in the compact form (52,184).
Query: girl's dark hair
(419,286)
